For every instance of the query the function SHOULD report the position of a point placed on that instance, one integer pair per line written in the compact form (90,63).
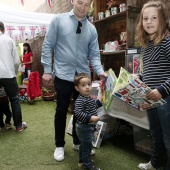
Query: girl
(153,33)
(27,59)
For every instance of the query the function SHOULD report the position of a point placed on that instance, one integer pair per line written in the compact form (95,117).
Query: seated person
(4,109)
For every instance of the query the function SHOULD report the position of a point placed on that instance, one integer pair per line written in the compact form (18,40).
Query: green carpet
(33,148)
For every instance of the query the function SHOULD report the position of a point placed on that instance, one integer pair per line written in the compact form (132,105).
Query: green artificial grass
(33,148)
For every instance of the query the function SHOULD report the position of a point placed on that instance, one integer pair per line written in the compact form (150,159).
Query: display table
(137,119)
(122,110)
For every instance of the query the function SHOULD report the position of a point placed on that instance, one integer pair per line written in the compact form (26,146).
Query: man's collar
(71,13)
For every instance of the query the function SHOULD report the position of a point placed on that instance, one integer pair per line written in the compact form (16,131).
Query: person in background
(9,63)
(153,33)
(27,59)
(4,110)
(72,38)
(86,113)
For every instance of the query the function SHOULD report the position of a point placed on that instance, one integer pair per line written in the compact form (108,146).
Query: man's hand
(94,119)
(47,78)
(103,76)
(154,95)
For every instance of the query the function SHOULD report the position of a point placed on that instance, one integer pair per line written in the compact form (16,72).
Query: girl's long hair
(142,36)
(28,48)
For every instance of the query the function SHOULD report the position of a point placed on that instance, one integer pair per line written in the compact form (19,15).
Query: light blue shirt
(71,49)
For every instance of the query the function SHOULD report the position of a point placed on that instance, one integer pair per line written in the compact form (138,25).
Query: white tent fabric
(14,17)
(21,25)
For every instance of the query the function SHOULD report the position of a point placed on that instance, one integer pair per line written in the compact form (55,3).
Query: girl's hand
(94,119)
(154,95)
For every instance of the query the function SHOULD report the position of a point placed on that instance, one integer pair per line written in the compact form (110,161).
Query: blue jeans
(159,119)
(85,133)
(64,91)
(11,88)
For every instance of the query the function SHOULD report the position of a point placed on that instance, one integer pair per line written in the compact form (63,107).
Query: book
(134,61)
(107,88)
(132,90)
(99,134)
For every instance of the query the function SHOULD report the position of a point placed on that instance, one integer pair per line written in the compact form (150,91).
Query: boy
(86,114)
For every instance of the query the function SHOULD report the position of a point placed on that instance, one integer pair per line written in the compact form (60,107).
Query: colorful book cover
(99,133)
(107,89)
(132,90)
(122,80)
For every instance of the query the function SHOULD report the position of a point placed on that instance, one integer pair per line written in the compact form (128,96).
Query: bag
(21,68)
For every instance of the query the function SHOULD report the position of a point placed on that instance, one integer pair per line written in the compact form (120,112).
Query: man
(72,38)
(9,63)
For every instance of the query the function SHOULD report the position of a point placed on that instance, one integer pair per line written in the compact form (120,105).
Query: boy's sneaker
(59,153)
(8,125)
(146,166)
(81,165)
(76,148)
(24,126)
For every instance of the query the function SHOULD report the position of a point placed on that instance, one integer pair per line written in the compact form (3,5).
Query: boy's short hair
(79,76)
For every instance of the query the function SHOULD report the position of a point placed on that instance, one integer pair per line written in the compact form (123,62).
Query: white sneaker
(59,153)
(76,148)
(146,166)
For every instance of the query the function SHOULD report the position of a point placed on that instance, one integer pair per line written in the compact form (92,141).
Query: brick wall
(58,6)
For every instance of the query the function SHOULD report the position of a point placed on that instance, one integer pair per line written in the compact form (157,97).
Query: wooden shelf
(113,53)
(112,18)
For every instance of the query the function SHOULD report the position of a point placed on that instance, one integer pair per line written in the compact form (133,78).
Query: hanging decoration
(22,2)
(49,2)
(25,33)
(21,29)
(43,30)
(9,30)
(33,28)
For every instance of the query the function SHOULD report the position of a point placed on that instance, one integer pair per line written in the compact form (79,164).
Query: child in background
(153,33)
(86,114)
(4,109)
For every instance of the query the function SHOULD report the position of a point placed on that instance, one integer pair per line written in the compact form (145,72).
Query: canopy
(23,24)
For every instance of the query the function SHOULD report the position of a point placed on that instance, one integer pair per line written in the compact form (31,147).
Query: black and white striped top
(85,107)
(156,65)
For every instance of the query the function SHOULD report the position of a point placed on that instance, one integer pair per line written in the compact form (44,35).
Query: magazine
(99,133)
(132,90)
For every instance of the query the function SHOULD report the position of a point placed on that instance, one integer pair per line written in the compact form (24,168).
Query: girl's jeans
(159,119)
(85,133)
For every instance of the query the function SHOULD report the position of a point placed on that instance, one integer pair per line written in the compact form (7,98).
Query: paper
(21,68)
